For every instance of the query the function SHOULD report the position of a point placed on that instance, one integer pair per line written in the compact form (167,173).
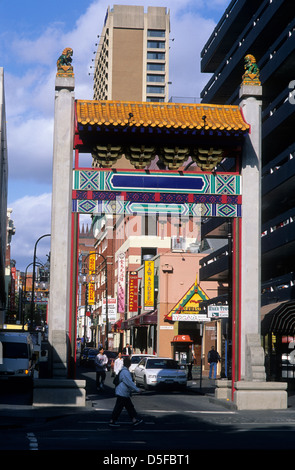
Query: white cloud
(30,149)
(31,217)
(187,80)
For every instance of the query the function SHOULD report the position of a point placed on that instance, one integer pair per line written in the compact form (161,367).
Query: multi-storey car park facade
(132,58)
(265,29)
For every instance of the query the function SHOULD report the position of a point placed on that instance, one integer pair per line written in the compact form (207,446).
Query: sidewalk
(206,386)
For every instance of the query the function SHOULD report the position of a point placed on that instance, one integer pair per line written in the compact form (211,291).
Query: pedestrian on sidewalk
(123,393)
(101,361)
(190,366)
(118,364)
(213,359)
(127,350)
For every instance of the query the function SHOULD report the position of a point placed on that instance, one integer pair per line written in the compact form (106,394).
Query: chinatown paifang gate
(174,133)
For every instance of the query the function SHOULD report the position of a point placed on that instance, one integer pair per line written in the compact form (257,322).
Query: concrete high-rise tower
(132,58)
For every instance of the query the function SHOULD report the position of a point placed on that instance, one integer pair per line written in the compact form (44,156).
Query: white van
(16,356)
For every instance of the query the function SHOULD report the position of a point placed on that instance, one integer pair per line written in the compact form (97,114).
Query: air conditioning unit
(178,243)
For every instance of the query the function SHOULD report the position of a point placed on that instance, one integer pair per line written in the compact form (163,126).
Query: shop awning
(144,319)
(148,318)
(117,325)
(280,320)
(181,339)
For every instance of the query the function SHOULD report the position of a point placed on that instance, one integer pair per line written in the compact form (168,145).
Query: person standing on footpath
(123,393)
(190,365)
(118,364)
(101,361)
(127,350)
(213,359)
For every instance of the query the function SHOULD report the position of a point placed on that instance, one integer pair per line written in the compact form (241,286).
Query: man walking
(101,361)
(123,393)
(213,358)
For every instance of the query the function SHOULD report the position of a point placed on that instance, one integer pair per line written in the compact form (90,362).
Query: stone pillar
(252,391)
(60,390)
(250,105)
(60,266)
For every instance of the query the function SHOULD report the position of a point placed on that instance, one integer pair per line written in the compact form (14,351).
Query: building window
(148,253)
(152,99)
(156,44)
(156,33)
(155,89)
(155,78)
(156,55)
(155,67)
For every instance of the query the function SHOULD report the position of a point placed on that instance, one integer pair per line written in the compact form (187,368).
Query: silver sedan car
(153,371)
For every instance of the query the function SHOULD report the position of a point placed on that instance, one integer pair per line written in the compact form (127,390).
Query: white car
(153,371)
(135,360)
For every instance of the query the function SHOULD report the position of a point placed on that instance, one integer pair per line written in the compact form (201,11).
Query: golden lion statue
(251,75)
(64,63)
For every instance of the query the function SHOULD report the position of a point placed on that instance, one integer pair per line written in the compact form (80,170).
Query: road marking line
(176,411)
(33,442)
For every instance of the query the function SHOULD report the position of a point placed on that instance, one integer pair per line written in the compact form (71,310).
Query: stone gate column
(251,390)
(251,232)
(60,266)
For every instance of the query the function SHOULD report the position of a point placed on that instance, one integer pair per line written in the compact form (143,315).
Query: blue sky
(32,36)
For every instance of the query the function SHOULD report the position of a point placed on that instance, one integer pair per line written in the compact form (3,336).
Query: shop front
(278,335)
(188,319)
(142,332)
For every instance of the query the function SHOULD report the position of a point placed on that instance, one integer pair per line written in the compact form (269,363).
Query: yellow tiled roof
(167,115)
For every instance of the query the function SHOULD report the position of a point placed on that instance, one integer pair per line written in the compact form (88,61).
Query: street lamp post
(33,281)
(24,294)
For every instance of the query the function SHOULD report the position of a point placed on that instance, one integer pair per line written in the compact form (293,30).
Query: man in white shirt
(118,364)
(101,361)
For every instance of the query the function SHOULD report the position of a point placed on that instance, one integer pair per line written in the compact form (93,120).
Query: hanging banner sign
(91,293)
(121,282)
(92,262)
(149,285)
(112,310)
(133,292)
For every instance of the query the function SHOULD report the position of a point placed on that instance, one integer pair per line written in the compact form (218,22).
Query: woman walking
(123,393)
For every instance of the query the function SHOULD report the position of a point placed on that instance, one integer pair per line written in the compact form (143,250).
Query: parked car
(135,360)
(155,371)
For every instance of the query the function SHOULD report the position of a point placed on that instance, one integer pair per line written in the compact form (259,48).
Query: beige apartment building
(132,58)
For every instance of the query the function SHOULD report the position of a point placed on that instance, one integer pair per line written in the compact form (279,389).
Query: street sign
(217,311)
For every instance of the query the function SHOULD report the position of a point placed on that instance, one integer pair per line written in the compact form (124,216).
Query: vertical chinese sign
(133,292)
(149,285)
(121,283)
(91,285)
(92,262)
(91,293)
